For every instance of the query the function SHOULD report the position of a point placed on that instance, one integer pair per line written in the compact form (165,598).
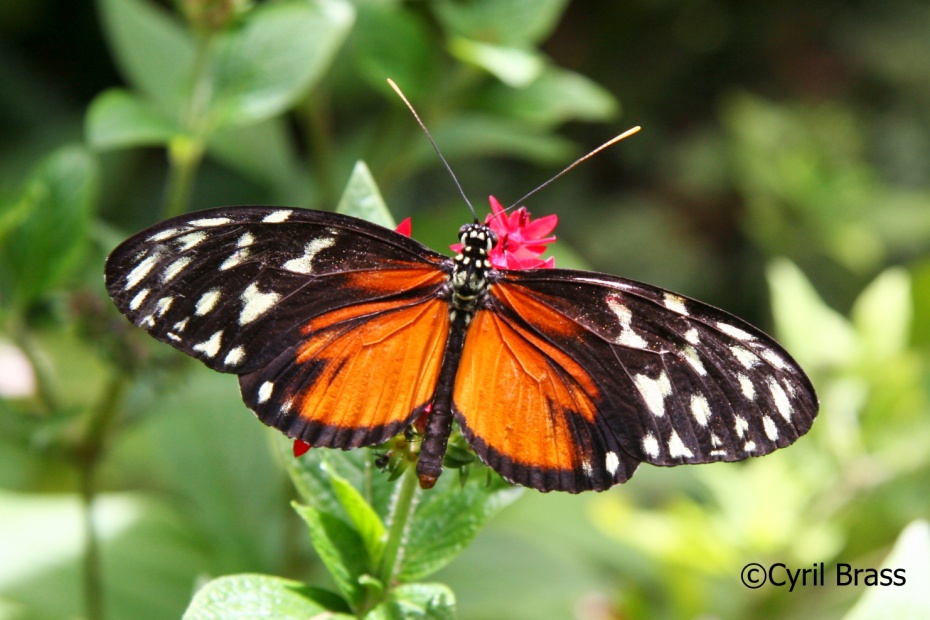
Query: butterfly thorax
(469,275)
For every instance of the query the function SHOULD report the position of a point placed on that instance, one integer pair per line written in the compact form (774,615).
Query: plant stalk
(397,528)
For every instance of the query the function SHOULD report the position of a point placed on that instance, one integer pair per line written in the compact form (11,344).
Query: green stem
(91,578)
(89,454)
(184,158)
(185,153)
(397,528)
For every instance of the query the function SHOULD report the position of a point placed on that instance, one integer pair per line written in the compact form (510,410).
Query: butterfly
(344,333)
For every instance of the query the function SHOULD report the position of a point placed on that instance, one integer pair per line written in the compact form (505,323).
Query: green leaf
(389,41)
(265,152)
(477,135)
(366,521)
(513,66)
(253,596)
(555,97)
(509,22)
(341,549)
(910,600)
(118,119)
(311,476)
(806,326)
(153,50)
(279,53)
(447,519)
(52,217)
(361,198)
(429,601)
(882,314)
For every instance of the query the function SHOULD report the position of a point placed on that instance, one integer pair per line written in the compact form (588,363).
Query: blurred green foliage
(782,175)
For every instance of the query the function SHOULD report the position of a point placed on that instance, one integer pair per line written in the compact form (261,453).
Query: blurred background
(781,174)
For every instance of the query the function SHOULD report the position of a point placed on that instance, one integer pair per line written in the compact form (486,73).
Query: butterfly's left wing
(335,326)
(569,379)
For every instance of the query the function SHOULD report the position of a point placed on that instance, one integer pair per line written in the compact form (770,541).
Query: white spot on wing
(781,400)
(207,302)
(211,346)
(612,462)
(276,217)
(627,337)
(138,299)
(303,264)
(140,271)
(190,240)
(733,331)
(693,336)
(654,391)
(234,259)
(235,356)
(163,305)
(749,446)
(692,358)
(255,303)
(677,448)
(586,468)
(175,268)
(166,234)
(264,392)
(173,336)
(700,409)
(749,391)
(771,431)
(245,240)
(774,359)
(675,303)
(651,445)
(180,325)
(744,356)
(210,221)
(741,426)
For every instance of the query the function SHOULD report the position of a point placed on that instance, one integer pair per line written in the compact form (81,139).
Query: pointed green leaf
(426,601)
(51,221)
(806,326)
(513,66)
(391,41)
(555,97)
(362,198)
(340,548)
(882,314)
(262,68)
(447,519)
(511,22)
(363,517)
(256,596)
(118,119)
(152,48)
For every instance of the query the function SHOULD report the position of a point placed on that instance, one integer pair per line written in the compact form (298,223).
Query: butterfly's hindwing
(671,380)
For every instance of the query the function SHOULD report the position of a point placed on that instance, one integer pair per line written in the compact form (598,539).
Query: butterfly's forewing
(309,308)
(621,372)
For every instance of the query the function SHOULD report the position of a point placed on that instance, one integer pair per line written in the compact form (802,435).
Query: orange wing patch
(524,400)
(376,371)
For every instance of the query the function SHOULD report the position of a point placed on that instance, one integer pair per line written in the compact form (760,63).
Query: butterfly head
(477,240)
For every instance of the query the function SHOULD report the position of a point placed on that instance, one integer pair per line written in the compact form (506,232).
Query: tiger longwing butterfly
(343,333)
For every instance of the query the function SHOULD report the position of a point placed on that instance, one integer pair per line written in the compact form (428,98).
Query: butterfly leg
(439,422)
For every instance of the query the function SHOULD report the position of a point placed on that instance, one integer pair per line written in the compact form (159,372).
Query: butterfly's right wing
(336,326)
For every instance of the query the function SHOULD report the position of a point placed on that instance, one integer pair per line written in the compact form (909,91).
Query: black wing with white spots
(672,380)
(233,287)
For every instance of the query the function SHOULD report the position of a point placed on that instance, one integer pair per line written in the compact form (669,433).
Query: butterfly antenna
(611,142)
(435,146)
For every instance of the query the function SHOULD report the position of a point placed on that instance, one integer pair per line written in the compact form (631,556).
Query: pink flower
(520,240)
